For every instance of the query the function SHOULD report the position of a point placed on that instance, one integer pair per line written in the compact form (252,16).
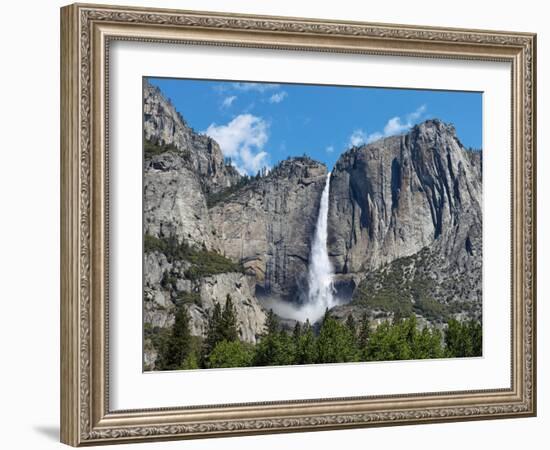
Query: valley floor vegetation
(331,342)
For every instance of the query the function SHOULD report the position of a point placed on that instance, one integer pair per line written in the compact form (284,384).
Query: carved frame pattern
(86,33)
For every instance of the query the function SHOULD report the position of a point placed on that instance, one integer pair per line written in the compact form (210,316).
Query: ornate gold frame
(86,31)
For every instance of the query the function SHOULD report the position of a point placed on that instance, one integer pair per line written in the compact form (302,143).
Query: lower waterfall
(320,294)
(321,272)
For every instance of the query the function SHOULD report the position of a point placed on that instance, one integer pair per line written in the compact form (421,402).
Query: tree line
(332,342)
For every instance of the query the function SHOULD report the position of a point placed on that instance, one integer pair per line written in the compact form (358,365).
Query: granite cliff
(258,228)
(183,260)
(268,226)
(404,228)
(411,202)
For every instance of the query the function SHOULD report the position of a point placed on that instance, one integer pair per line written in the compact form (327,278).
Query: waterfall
(320,272)
(321,289)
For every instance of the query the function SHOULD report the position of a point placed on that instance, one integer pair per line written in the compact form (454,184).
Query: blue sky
(259,124)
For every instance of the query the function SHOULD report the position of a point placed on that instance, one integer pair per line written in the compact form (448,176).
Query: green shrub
(190,362)
(206,263)
(394,289)
(168,280)
(214,198)
(151,149)
(231,354)
(178,346)
(463,339)
(431,309)
(402,341)
(157,336)
(203,262)
(188,298)
(336,342)
(153,244)
(275,349)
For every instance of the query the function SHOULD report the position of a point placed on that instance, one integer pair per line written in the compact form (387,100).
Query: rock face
(165,127)
(403,195)
(181,170)
(250,315)
(404,228)
(174,203)
(199,297)
(268,226)
(398,195)
(179,175)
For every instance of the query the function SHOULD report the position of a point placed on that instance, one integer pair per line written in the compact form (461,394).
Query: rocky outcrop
(215,289)
(158,306)
(164,126)
(166,286)
(198,296)
(404,228)
(393,197)
(181,168)
(269,223)
(406,221)
(174,203)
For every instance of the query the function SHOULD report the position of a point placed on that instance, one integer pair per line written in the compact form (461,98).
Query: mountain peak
(434,126)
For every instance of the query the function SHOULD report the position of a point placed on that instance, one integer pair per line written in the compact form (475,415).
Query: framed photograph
(277,224)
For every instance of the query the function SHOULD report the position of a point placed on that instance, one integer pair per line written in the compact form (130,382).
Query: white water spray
(320,273)
(321,288)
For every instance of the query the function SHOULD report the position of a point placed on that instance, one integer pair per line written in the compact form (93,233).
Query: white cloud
(330,149)
(373,137)
(396,125)
(228,101)
(414,116)
(357,138)
(257,87)
(252,162)
(243,140)
(278,97)
(360,137)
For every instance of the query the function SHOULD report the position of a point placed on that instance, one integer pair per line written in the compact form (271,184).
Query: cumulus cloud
(395,125)
(278,97)
(228,101)
(357,138)
(243,139)
(256,87)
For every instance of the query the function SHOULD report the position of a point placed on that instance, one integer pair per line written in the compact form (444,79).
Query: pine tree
(335,342)
(475,331)
(213,333)
(178,346)
(409,330)
(297,333)
(277,347)
(229,324)
(352,326)
(397,317)
(463,339)
(427,344)
(363,337)
(454,340)
(231,354)
(306,348)
(388,343)
(364,332)
(271,323)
